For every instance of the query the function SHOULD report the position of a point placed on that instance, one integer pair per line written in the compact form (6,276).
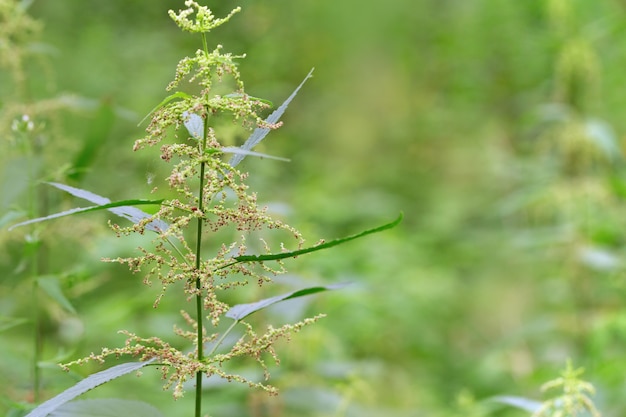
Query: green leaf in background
(241,311)
(121,208)
(87,384)
(94,140)
(49,284)
(109,407)
(326,245)
(77,210)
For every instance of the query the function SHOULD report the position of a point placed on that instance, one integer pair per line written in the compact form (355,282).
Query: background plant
(35,279)
(573,397)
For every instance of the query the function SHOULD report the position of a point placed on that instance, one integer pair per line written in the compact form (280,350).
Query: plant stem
(199,307)
(37,341)
(38,206)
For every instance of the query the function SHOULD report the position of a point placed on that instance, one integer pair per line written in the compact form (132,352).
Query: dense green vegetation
(496,128)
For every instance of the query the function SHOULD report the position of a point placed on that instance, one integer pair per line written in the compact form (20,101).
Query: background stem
(38,206)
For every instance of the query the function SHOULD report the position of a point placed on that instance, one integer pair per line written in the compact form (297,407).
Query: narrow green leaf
(240,311)
(50,285)
(326,245)
(177,95)
(133,202)
(260,132)
(238,151)
(95,139)
(87,384)
(131,213)
(77,210)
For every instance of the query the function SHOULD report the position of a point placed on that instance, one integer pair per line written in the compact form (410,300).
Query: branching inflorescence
(212,196)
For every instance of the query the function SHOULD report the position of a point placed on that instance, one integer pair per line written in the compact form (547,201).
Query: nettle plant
(574,398)
(212,197)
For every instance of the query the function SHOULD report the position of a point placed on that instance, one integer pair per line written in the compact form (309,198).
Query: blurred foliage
(495,126)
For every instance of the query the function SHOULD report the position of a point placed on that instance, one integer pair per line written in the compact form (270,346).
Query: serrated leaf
(240,311)
(109,407)
(177,95)
(50,285)
(120,208)
(85,385)
(519,402)
(260,132)
(326,245)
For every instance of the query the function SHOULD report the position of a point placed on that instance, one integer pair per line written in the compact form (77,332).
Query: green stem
(199,307)
(205,46)
(38,206)
(199,300)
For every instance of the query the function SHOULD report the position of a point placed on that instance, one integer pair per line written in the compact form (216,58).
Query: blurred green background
(495,126)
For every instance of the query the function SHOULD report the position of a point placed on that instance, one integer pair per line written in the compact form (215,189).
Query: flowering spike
(209,196)
(204,20)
